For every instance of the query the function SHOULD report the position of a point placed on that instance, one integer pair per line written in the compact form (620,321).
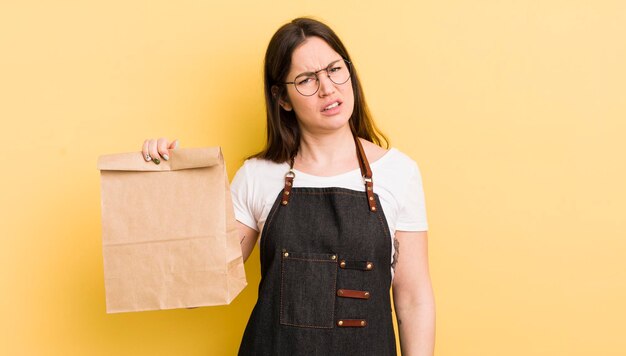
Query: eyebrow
(319,70)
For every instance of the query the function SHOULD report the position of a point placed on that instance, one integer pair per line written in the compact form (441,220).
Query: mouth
(332,106)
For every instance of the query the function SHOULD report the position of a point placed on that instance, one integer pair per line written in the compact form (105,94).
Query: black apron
(325,274)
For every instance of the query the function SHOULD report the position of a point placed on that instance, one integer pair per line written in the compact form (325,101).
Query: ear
(276,93)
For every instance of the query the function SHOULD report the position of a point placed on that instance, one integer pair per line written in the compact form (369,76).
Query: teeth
(331,106)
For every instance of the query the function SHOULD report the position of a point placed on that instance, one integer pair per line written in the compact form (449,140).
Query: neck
(326,149)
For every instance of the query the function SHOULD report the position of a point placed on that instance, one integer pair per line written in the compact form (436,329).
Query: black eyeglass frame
(348,63)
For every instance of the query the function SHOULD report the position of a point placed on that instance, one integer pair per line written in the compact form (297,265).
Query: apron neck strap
(366,173)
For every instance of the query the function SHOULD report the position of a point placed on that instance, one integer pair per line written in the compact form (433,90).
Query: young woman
(341,219)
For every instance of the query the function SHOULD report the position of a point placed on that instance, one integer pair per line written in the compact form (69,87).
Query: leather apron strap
(366,173)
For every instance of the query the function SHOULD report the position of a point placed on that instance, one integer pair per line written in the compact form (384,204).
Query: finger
(144,151)
(152,150)
(162,148)
(173,145)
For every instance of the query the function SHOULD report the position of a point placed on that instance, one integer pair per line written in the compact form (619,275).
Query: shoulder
(391,156)
(258,180)
(397,161)
(400,158)
(258,166)
(259,173)
(397,173)
(372,150)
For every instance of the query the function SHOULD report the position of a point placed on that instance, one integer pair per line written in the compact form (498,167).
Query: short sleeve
(412,211)
(241,191)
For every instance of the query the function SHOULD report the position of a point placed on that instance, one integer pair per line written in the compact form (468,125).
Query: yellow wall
(515,111)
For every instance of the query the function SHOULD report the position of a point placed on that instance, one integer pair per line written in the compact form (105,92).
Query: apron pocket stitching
(307,290)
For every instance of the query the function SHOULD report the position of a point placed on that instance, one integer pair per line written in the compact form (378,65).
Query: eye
(305,81)
(336,69)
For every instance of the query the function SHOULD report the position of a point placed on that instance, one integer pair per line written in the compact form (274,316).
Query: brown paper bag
(169,237)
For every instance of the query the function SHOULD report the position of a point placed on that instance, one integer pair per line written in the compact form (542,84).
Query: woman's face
(330,108)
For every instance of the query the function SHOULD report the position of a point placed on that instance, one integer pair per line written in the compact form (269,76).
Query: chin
(335,124)
(326,124)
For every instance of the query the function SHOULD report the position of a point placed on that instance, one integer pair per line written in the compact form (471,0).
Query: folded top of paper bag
(180,158)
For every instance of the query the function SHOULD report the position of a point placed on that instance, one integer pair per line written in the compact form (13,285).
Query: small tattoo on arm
(396,253)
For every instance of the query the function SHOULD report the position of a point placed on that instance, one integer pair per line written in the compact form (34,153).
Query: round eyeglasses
(308,83)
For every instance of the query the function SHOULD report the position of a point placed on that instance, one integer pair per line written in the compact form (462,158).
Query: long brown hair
(283,132)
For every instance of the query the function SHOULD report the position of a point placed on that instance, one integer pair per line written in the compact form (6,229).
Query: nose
(327,87)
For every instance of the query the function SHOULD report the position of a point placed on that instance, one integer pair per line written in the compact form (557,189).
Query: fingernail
(166,157)
(147,158)
(156,160)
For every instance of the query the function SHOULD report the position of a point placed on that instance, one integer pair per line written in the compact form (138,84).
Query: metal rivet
(369,265)
(367,294)
(373,208)
(286,193)
(369,188)
(362,322)
(371,198)
(340,322)
(340,292)
(342,264)
(288,184)
(333,257)
(284,202)
(286,254)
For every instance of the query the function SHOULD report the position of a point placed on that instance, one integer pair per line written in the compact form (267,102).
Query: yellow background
(514,110)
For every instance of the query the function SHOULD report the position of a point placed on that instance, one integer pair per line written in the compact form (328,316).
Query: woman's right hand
(153,150)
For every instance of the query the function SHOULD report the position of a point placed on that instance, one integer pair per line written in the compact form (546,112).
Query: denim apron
(325,274)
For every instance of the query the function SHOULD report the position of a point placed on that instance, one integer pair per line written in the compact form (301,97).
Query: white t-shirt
(397,181)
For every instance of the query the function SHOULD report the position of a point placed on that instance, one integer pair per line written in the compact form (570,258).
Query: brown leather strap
(349,293)
(363,163)
(366,172)
(288,183)
(351,323)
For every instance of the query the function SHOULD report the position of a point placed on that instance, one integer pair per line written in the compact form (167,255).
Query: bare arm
(413,295)
(247,238)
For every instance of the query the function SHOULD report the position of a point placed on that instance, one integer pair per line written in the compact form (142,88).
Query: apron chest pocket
(307,289)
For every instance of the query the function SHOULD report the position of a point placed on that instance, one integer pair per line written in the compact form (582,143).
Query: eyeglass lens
(308,83)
